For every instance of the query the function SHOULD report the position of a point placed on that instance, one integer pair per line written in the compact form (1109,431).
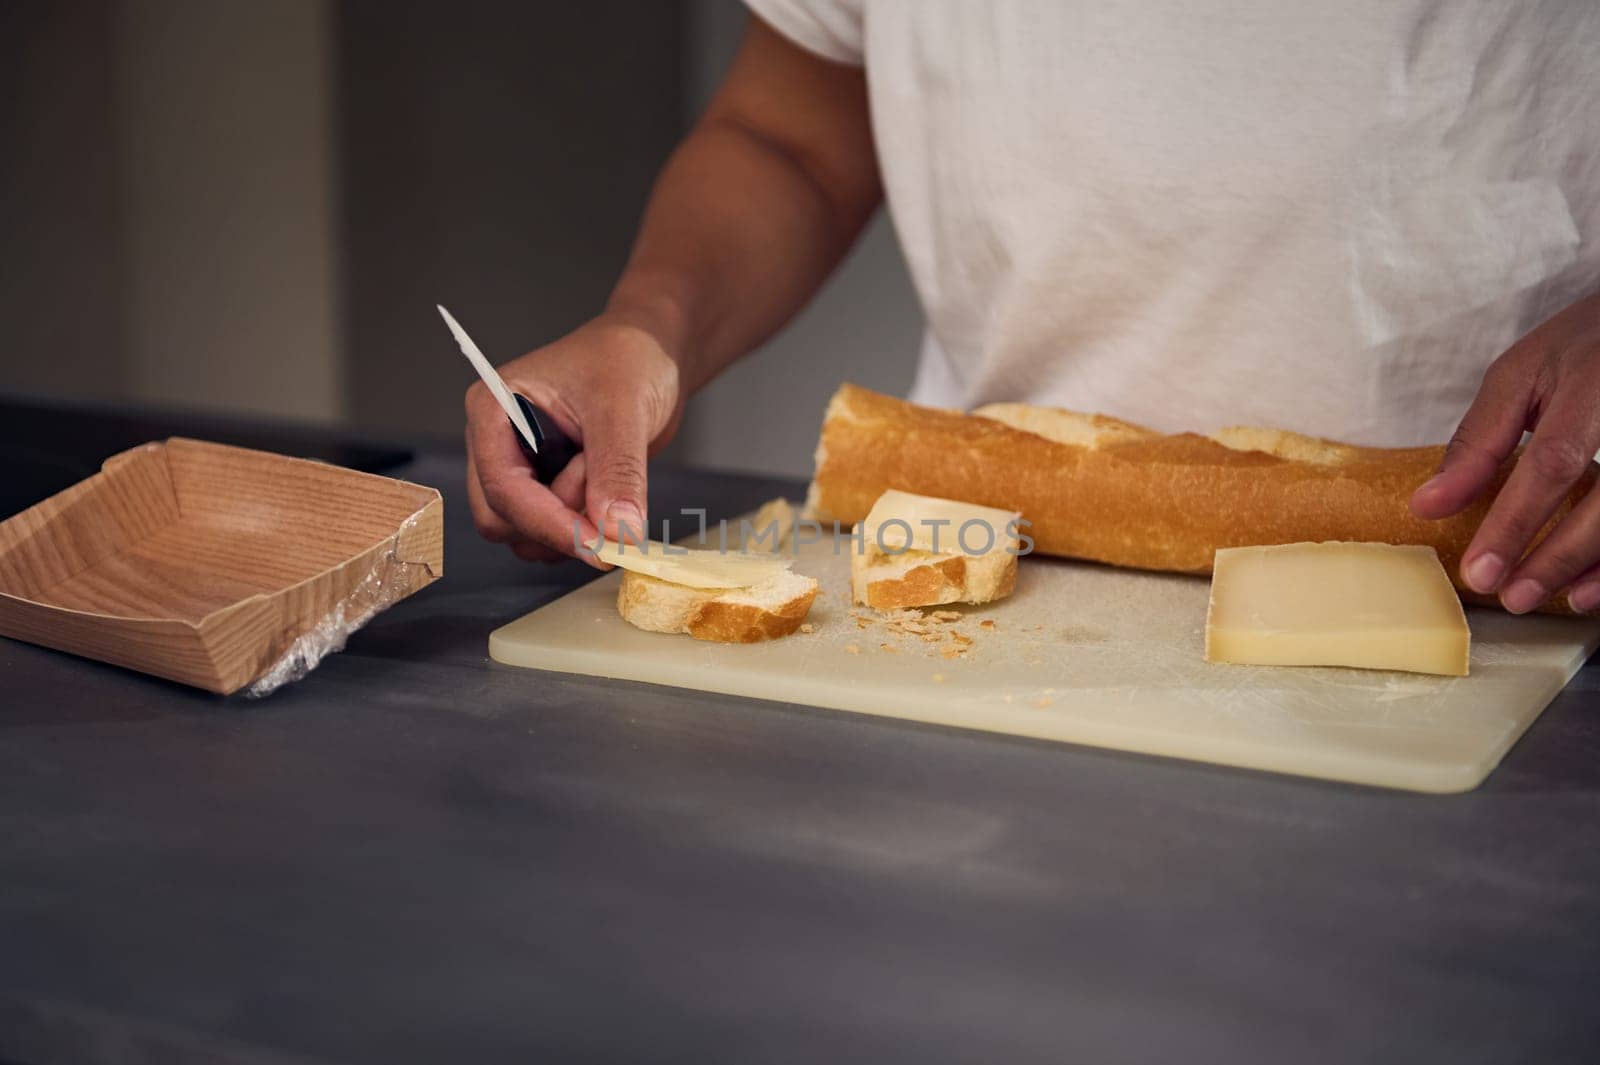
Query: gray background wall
(227,184)
(246,206)
(60,274)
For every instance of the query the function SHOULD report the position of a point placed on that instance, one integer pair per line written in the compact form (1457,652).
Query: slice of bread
(919,578)
(774,607)
(772,527)
(899,563)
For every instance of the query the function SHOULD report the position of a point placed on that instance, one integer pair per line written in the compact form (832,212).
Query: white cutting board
(1107,657)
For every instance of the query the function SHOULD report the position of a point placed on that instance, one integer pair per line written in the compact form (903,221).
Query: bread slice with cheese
(916,551)
(774,607)
(722,596)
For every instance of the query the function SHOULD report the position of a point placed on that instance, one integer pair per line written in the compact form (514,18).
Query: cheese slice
(693,568)
(1372,606)
(901,521)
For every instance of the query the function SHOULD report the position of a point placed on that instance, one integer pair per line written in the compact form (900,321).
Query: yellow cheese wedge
(1372,606)
(694,568)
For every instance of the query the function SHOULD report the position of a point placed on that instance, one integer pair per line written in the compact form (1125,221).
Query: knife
(547,447)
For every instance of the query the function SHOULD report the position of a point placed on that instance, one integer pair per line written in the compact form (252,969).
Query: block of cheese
(1367,605)
(917,551)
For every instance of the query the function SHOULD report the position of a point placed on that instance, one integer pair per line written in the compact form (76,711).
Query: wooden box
(204,564)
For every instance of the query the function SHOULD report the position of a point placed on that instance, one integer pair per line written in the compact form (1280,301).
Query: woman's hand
(1547,382)
(610,386)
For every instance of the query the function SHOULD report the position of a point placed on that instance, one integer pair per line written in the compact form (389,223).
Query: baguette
(1097,488)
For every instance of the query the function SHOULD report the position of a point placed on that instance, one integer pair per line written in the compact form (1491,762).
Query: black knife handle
(556,448)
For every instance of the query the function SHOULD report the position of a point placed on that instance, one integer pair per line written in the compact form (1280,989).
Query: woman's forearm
(754,210)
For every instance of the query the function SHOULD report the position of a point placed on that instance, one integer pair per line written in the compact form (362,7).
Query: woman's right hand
(610,386)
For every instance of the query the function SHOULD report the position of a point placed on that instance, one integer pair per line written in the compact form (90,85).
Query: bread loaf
(1097,488)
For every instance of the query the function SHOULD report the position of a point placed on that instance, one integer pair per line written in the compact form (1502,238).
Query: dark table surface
(415,855)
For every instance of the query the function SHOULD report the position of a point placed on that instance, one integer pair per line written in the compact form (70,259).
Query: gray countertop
(415,855)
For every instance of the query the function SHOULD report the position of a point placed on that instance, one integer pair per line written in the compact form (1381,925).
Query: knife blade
(545,445)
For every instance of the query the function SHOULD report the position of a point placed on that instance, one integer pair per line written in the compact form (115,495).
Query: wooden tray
(204,564)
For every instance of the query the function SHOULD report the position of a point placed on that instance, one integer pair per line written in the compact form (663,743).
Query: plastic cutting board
(1092,655)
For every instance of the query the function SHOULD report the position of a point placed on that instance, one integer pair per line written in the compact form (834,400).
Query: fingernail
(627,520)
(1523,595)
(1484,572)
(1431,483)
(585,543)
(1585,597)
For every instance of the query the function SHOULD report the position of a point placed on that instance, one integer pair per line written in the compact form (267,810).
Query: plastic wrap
(389,579)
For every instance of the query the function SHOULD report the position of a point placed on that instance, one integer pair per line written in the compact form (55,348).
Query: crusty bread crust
(742,623)
(947,579)
(721,615)
(1129,496)
(933,583)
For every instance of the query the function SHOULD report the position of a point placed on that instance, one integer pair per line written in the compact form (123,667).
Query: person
(1353,220)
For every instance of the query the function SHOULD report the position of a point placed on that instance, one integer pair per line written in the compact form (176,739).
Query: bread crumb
(938,678)
(932,637)
(862,623)
(851,649)
(1042,702)
(946,615)
(952,652)
(916,628)
(891,648)
(808,628)
(957,636)
(986,623)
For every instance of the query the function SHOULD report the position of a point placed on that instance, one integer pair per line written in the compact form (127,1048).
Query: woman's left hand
(1547,382)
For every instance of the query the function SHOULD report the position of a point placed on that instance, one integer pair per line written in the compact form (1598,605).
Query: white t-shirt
(1323,217)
